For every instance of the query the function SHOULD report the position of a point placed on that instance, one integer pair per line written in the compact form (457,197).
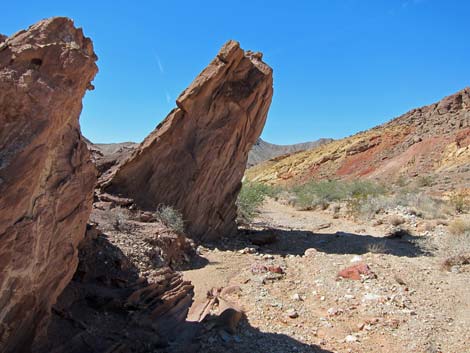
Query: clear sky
(340,66)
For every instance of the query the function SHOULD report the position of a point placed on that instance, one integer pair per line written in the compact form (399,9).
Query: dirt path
(410,305)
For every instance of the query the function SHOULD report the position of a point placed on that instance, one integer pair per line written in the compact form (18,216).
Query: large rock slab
(195,159)
(46,176)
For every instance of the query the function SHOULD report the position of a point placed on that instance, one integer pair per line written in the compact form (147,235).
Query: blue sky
(340,66)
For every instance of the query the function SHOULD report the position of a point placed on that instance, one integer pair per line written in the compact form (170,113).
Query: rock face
(46,176)
(195,159)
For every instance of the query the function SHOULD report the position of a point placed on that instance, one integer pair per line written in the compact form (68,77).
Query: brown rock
(46,178)
(195,159)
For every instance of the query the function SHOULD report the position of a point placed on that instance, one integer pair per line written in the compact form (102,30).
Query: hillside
(431,140)
(263,151)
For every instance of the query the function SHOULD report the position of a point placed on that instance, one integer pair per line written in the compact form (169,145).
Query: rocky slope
(46,176)
(263,151)
(194,160)
(432,140)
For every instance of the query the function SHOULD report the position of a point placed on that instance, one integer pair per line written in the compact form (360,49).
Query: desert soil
(411,304)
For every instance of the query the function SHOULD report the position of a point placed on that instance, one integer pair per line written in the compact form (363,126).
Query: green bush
(459,202)
(426,180)
(250,199)
(321,193)
(170,217)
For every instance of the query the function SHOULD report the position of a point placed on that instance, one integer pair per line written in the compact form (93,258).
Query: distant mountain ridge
(263,151)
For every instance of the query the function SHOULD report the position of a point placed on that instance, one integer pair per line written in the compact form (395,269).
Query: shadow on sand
(295,242)
(93,315)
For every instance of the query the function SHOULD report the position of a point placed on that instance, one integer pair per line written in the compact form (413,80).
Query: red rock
(355,272)
(275,269)
(46,177)
(195,159)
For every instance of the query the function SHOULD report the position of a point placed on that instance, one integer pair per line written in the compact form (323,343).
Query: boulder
(195,159)
(46,176)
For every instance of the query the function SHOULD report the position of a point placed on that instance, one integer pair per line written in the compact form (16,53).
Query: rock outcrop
(195,159)
(46,176)
(108,307)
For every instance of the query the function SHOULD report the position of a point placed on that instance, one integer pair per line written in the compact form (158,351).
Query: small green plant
(402,181)
(250,199)
(170,217)
(321,193)
(459,202)
(425,180)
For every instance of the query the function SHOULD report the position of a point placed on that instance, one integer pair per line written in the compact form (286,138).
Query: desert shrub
(459,226)
(170,217)
(422,205)
(250,199)
(396,220)
(459,202)
(417,203)
(321,193)
(121,221)
(425,180)
(401,181)
(455,245)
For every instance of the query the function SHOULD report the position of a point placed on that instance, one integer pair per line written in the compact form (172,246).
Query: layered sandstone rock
(195,159)
(46,177)
(107,307)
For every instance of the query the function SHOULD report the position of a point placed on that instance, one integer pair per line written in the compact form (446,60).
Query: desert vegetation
(250,199)
(361,199)
(170,217)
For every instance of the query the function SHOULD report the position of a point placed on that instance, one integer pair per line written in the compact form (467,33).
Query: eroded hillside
(433,140)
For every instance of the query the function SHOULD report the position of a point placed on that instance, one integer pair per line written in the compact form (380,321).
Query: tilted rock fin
(195,159)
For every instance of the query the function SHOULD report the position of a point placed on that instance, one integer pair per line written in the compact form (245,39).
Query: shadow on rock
(107,307)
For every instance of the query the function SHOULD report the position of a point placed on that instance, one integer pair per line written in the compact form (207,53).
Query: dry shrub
(456,244)
(458,260)
(377,248)
(121,221)
(396,220)
(459,226)
(170,217)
